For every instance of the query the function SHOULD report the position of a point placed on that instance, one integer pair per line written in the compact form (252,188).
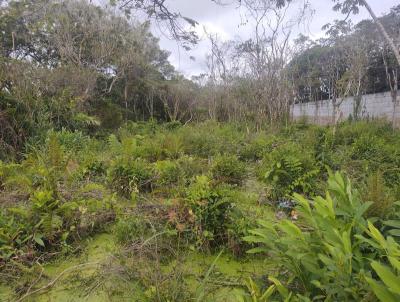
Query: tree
(352,6)
(173,22)
(351,61)
(178,97)
(65,64)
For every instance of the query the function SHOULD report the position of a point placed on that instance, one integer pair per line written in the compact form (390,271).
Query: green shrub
(192,166)
(198,143)
(238,227)
(93,170)
(325,258)
(324,151)
(172,125)
(167,172)
(391,224)
(255,149)
(72,141)
(376,192)
(129,178)
(348,133)
(129,229)
(149,149)
(211,207)
(288,169)
(209,139)
(46,223)
(229,169)
(387,287)
(143,129)
(123,149)
(111,115)
(172,146)
(371,148)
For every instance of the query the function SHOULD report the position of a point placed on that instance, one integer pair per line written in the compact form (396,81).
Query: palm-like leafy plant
(322,256)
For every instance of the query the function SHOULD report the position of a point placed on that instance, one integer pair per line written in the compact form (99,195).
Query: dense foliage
(187,196)
(80,66)
(122,180)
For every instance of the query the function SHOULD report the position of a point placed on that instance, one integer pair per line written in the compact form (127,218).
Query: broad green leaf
(268,293)
(395,233)
(392,223)
(38,239)
(347,242)
(369,241)
(254,239)
(387,276)
(291,229)
(279,286)
(376,234)
(304,203)
(381,291)
(257,250)
(394,262)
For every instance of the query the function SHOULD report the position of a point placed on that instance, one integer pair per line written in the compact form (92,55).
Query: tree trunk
(126,102)
(356,108)
(394,100)
(383,31)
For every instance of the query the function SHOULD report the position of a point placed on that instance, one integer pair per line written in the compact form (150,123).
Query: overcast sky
(225,21)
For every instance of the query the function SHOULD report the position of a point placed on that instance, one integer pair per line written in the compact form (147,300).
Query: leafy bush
(324,259)
(391,224)
(387,287)
(149,149)
(173,125)
(93,170)
(376,192)
(371,149)
(132,177)
(124,149)
(228,168)
(209,139)
(238,226)
(255,149)
(211,207)
(46,223)
(127,229)
(324,152)
(289,176)
(192,166)
(72,141)
(172,146)
(289,169)
(167,172)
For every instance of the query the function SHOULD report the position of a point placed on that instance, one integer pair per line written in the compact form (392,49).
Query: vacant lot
(207,212)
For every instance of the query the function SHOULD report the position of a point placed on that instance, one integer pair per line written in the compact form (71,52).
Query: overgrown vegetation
(120,179)
(163,205)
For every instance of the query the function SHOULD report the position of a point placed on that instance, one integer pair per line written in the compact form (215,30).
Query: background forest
(77,66)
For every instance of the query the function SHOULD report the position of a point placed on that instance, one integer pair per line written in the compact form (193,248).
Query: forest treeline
(77,66)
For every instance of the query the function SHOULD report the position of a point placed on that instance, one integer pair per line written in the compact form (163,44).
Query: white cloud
(228,22)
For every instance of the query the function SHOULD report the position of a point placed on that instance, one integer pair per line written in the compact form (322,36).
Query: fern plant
(289,176)
(376,192)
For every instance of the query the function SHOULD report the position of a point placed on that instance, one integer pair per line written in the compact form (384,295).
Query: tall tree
(352,6)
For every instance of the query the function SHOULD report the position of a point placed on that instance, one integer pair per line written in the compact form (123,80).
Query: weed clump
(228,169)
(132,177)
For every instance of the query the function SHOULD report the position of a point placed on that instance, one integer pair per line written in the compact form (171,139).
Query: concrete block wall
(377,105)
